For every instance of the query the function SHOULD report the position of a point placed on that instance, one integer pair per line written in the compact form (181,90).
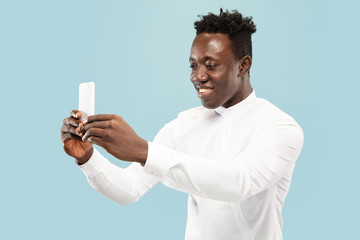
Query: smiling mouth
(203,91)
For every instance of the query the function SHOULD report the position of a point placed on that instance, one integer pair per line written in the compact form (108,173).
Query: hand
(113,134)
(71,138)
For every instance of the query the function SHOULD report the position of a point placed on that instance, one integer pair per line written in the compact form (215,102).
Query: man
(234,155)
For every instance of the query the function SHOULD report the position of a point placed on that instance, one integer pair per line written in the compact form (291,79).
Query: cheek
(227,82)
(229,87)
(234,81)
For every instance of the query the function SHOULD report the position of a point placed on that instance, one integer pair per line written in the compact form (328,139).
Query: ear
(244,65)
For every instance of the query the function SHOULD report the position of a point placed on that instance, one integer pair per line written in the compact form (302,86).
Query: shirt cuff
(94,165)
(159,160)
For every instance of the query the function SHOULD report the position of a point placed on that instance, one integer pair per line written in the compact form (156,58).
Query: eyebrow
(204,58)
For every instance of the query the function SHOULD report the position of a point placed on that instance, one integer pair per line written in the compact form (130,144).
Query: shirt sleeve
(123,186)
(126,185)
(257,168)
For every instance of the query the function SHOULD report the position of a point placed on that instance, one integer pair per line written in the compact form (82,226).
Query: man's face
(214,71)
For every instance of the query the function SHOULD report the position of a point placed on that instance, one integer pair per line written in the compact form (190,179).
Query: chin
(209,105)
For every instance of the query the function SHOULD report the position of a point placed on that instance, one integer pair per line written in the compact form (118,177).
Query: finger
(101,124)
(80,128)
(75,114)
(70,129)
(66,136)
(71,121)
(97,132)
(100,117)
(97,140)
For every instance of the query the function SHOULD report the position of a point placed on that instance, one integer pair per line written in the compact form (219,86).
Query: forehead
(211,45)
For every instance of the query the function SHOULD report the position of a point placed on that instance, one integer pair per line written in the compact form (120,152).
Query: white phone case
(87,98)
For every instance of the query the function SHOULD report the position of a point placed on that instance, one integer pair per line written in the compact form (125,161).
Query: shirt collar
(221,110)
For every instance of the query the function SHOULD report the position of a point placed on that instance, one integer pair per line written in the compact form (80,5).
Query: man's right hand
(71,138)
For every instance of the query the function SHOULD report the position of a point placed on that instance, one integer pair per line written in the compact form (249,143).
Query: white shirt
(235,163)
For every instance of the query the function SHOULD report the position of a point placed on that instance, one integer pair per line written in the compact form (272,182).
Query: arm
(257,168)
(121,185)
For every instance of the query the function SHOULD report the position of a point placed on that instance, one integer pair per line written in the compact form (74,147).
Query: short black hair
(238,28)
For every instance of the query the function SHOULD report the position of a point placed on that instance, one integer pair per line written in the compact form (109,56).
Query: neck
(246,90)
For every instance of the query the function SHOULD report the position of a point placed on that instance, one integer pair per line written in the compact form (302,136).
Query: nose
(199,75)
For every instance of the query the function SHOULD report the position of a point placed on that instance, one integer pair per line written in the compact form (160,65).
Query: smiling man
(219,76)
(234,155)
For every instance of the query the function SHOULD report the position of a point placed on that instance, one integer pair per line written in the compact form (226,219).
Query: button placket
(226,135)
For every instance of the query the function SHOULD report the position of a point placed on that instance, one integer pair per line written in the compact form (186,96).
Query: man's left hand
(113,134)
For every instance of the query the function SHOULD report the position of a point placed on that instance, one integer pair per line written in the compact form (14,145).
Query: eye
(211,66)
(193,66)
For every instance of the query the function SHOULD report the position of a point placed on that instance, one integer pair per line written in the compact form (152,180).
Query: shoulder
(186,116)
(166,134)
(271,112)
(271,117)
(192,112)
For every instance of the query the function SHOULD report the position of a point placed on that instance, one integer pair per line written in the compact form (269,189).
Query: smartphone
(86,99)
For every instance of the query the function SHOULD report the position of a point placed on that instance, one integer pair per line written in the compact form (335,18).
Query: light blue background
(306,59)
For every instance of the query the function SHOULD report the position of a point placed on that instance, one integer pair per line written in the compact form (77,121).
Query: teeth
(204,90)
